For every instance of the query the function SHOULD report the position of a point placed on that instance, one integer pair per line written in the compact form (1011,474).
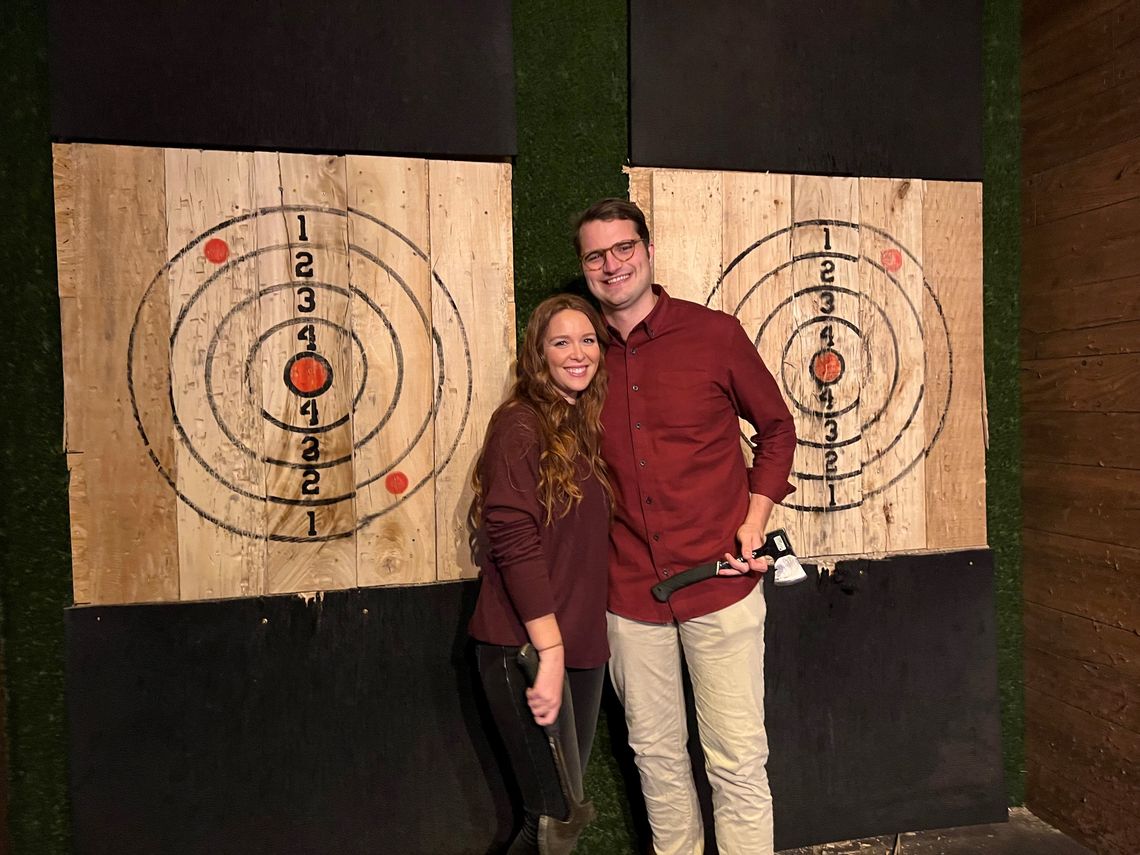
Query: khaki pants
(724,652)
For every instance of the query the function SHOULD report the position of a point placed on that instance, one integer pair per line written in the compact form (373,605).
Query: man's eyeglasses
(623,250)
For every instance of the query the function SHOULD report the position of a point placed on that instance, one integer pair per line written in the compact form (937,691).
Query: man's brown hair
(609,210)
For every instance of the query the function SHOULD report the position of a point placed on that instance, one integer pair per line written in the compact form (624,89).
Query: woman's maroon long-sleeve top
(529,568)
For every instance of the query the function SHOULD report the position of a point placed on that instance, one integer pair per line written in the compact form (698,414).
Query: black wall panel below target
(882,699)
(365,76)
(348,724)
(887,88)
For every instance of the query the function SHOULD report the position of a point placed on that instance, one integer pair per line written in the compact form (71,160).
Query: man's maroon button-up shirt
(678,385)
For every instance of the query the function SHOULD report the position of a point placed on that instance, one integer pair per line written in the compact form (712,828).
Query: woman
(543,504)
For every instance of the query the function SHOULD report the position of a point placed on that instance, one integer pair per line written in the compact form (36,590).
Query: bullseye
(827,367)
(308,375)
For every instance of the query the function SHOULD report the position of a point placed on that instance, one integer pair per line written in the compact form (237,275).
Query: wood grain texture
(1084,320)
(471,252)
(894,511)
(956,464)
(1067,804)
(319,259)
(1085,439)
(1082,501)
(396,543)
(1099,756)
(111,239)
(687,242)
(202,189)
(1076,384)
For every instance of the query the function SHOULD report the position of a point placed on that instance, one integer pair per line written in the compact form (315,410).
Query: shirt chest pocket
(686,399)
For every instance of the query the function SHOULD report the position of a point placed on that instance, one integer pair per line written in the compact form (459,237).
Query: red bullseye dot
(892,260)
(827,367)
(396,483)
(308,375)
(216,250)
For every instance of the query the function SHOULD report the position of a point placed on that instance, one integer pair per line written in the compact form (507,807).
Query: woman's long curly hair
(566,430)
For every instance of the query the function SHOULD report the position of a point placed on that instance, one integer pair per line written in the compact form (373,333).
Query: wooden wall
(1080,353)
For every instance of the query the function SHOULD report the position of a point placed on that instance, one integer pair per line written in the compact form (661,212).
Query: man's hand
(750,536)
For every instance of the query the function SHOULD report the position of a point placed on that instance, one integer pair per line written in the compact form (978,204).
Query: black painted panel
(377,76)
(882,699)
(869,88)
(346,725)
(352,724)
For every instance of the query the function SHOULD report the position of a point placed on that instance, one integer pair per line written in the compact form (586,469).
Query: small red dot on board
(216,250)
(308,374)
(397,482)
(827,367)
(892,260)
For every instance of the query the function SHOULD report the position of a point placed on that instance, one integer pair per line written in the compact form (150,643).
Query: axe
(558,836)
(776,546)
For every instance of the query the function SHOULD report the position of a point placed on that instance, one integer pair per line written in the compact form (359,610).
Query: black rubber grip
(662,590)
(528,662)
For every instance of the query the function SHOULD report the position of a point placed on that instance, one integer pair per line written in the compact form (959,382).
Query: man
(680,376)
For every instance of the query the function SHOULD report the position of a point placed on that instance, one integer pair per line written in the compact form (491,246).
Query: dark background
(571,82)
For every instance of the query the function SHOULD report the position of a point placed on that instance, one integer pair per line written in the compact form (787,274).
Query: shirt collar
(657,319)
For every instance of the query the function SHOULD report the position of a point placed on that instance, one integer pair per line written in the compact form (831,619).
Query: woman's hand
(545,697)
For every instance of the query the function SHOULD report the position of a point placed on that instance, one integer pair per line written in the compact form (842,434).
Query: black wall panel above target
(386,76)
(868,88)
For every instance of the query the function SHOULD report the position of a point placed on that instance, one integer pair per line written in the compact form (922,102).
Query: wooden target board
(864,297)
(278,366)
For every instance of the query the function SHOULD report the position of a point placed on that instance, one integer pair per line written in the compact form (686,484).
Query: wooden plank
(471,253)
(756,242)
(1080,384)
(1105,177)
(318,552)
(1081,501)
(395,455)
(222,554)
(111,239)
(1083,639)
(687,240)
(1087,320)
(827,475)
(1043,105)
(1085,439)
(895,340)
(641,193)
(1096,689)
(1095,754)
(1045,21)
(1093,246)
(1083,47)
(955,465)
(1065,805)
(1125,24)
(1098,120)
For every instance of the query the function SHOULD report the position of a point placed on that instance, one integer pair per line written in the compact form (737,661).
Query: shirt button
(657,536)
(649,500)
(642,462)
(634,351)
(635,387)
(637,425)
(664,572)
